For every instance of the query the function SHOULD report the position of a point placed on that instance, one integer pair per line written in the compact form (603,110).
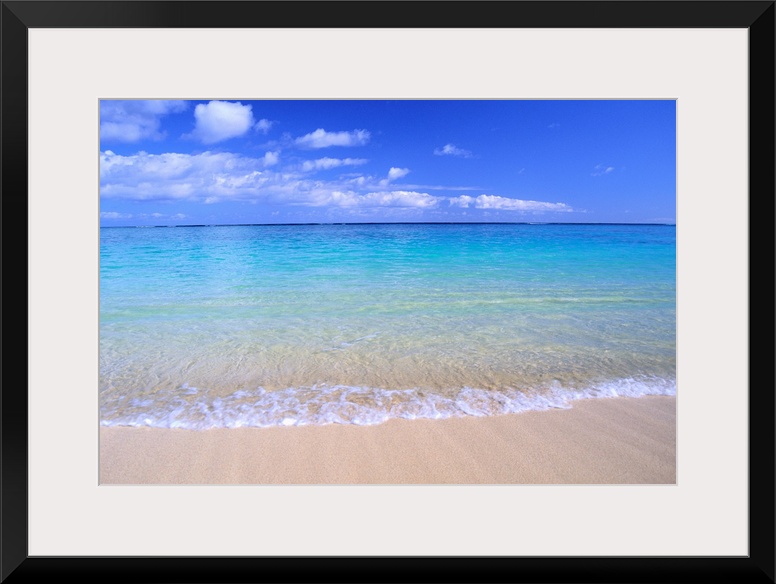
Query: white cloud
(114,215)
(217,121)
(323,139)
(507,204)
(212,177)
(452,150)
(360,180)
(601,169)
(395,173)
(271,158)
(327,163)
(144,176)
(263,126)
(462,201)
(157,166)
(177,216)
(351,199)
(134,120)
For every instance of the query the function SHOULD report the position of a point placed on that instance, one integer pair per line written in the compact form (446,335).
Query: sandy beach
(597,441)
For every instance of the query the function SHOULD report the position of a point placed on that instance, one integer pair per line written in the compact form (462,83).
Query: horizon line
(383,223)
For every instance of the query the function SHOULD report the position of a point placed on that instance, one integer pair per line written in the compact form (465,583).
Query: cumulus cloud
(393,174)
(452,150)
(144,176)
(263,126)
(601,169)
(271,158)
(114,215)
(320,138)
(327,163)
(135,120)
(176,216)
(351,199)
(217,121)
(211,177)
(462,201)
(507,204)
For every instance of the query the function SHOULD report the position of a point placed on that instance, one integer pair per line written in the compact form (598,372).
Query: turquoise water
(229,326)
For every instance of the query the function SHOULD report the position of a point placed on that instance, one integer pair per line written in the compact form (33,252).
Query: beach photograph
(387,292)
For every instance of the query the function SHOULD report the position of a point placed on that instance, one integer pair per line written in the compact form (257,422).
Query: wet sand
(597,441)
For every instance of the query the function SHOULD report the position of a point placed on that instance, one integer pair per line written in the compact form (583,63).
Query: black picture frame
(17,566)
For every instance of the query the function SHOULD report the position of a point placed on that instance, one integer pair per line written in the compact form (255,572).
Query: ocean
(265,325)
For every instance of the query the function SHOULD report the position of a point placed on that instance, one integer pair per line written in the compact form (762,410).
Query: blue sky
(330,161)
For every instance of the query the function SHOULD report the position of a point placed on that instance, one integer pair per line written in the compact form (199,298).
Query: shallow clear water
(230,326)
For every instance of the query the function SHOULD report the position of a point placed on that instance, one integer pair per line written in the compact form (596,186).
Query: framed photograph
(403,164)
(354,301)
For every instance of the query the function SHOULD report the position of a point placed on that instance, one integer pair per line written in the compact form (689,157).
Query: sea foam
(341,404)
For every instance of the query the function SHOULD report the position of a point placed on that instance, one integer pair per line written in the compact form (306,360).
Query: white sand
(609,441)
